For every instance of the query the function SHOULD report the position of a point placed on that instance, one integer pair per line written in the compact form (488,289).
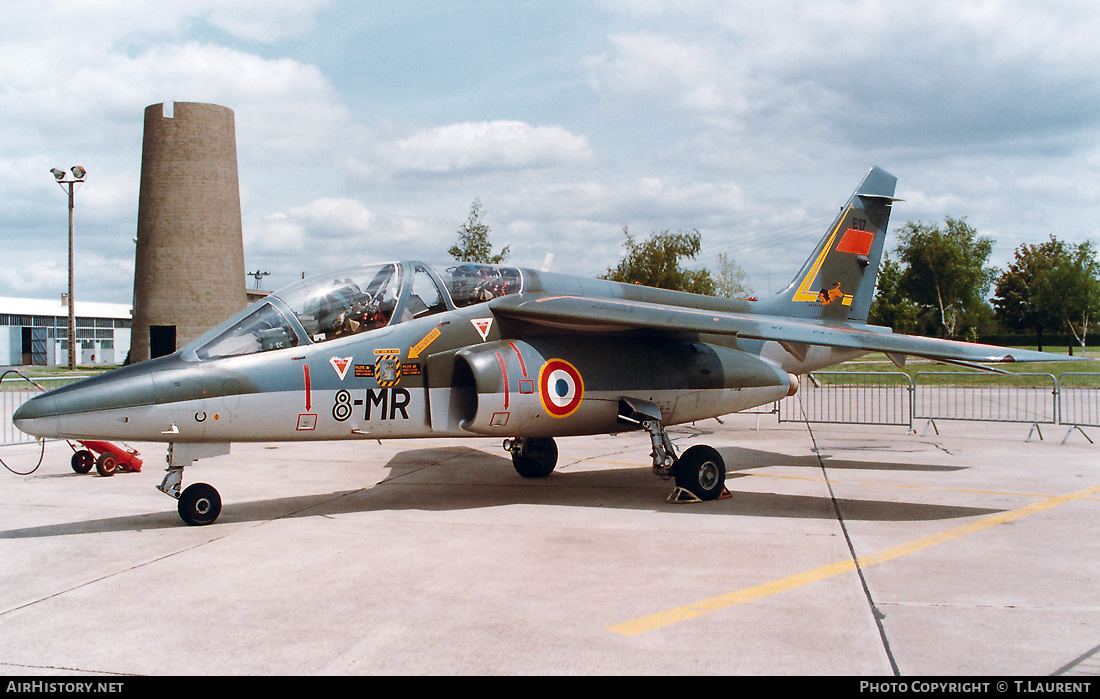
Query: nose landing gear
(200,503)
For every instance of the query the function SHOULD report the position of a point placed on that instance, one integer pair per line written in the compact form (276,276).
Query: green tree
(1070,291)
(656,262)
(890,307)
(730,280)
(1016,299)
(473,241)
(945,269)
(1049,286)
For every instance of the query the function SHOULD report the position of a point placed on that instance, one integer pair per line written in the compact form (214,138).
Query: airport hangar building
(36,332)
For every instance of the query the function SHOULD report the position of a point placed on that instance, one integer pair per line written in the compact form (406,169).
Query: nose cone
(91,408)
(32,409)
(37,417)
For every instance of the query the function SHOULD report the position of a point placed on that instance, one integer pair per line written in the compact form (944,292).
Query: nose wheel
(199,504)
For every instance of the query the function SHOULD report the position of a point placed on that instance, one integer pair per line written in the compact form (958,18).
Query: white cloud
(87,108)
(263,20)
(870,72)
(95,22)
(656,201)
(335,217)
(749,121)
(32,279)
(299,228)
(658,67)
(486,146)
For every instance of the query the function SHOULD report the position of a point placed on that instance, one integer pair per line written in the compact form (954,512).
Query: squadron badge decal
(387,369)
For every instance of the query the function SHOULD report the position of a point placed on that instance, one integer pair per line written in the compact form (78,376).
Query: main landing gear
(700,472)
(533,457)
(200,503)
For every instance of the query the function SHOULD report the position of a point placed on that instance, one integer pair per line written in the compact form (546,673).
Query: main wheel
(83,461)
(199,504)
(106,464)
(701,471)
(537,458)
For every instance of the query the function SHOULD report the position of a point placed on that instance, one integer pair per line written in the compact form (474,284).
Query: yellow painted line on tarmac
(714,604)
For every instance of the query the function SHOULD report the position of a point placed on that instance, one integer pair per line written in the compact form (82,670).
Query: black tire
(106,464)
(83,461)
(199,504)
(701,471)
(537,459)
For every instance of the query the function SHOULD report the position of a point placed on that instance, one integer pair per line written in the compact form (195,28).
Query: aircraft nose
(90,407)
(36,417)
(34,408)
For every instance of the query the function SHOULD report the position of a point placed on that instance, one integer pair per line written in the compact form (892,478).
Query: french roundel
(560,387)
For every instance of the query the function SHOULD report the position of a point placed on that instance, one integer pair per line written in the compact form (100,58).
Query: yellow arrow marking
(415,350)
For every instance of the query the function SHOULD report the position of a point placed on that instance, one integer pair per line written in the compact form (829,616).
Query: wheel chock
(680,496)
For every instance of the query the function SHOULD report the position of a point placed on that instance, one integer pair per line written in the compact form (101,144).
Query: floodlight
(68,185)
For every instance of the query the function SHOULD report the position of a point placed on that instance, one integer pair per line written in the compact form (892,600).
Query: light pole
(67,185)
(258,275)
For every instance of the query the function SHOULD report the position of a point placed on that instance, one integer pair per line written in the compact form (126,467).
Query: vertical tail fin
(838,279)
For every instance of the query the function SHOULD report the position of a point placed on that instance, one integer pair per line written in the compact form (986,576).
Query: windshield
(346,302)
(261,330)
(356,300)
(471,282)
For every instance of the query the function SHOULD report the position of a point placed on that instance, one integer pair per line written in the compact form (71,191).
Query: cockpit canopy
(355,300)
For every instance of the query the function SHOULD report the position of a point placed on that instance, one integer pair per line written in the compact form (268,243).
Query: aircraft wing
(578,313)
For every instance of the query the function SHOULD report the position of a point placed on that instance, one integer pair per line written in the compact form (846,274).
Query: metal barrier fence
(1079,399)
(16,390)
(852,398)
(893,398)
(1028,398)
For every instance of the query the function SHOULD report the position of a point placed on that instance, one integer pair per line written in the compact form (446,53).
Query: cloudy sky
(365,130)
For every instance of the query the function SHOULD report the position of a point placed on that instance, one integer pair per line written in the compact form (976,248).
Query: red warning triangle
(341,364)
(483,325)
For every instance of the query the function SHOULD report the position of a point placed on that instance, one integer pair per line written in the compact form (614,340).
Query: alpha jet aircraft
(405,349)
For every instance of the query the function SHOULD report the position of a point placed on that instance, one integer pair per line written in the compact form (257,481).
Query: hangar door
(34,346)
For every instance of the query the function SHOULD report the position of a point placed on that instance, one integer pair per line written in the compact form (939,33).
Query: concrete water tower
(189,271)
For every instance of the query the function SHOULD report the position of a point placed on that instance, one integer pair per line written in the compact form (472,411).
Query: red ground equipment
(111,458)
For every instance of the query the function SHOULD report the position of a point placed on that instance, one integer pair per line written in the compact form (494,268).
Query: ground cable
(42,453)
